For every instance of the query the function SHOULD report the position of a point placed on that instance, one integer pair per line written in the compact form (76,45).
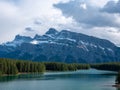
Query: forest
(111,66)
(14,67)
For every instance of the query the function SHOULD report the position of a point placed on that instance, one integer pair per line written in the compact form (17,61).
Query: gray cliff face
(63,46)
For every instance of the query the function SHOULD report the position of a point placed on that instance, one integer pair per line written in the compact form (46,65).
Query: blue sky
(92,17)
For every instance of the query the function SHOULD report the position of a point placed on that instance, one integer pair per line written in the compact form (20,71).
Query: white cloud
(14,18)
(89,15)
(10,21)
(109,33)
(99,3)
(92,20)
(112,7)
(16,15)
(44,11)
(83,5)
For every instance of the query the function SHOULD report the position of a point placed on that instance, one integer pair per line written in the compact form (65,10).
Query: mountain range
(61,46)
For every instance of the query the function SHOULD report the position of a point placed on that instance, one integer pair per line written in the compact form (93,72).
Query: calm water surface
(77,80)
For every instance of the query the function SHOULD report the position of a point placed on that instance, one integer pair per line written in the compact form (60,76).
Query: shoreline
(47,71)
(116,85)
(20,73)
(4,75)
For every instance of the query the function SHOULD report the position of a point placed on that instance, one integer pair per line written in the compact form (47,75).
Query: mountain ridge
(63,46)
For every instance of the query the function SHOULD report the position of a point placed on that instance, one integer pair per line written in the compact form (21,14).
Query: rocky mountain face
(63,46)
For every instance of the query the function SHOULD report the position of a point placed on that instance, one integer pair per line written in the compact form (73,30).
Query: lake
(77,80)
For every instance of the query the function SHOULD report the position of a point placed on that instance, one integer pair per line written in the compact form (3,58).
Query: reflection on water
(57,75)
(20,77)
(118,89)
(7,78)
(78,80)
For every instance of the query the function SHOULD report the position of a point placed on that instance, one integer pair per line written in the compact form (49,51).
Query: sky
(29,17)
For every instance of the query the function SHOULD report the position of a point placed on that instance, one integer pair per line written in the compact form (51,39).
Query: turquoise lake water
(77,80)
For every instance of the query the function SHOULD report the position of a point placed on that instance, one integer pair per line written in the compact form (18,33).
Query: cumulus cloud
(87,14)
(92,19)
(10,21)
(109,33)
(28,17)
(112,7)
(83,5)
(16,15)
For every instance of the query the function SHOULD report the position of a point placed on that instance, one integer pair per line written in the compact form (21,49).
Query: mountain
(63,46)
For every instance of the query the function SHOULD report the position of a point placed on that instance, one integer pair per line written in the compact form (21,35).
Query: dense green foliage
(117,81)
(0,73)
(115,66)
(8,66)
(82,66)
(55,66)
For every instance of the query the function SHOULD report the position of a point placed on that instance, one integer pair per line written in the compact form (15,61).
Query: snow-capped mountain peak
(63,46)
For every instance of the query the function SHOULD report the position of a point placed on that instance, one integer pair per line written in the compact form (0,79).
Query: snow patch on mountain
(69,39)
(34,42)
(109,49)
(101,47)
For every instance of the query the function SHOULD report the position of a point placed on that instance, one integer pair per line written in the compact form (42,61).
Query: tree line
(57,66)
(112,66)
(12,67)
